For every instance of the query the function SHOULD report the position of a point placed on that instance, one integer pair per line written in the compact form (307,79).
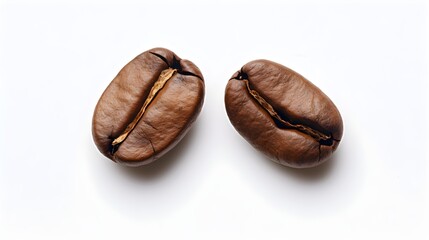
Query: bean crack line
(159,84)
(320,137)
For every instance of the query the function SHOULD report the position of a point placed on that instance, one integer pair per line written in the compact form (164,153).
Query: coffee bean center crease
(322,138)
(159,84)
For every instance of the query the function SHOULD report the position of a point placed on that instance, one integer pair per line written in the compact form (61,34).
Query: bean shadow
(163,186)
(315,173)
(334,183)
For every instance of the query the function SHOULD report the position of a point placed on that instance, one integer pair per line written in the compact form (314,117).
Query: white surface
(371,59)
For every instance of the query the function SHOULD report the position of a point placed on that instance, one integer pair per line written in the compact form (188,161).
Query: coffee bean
(282,114)
(148,107)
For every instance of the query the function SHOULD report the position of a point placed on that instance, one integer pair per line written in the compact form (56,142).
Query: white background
(370,58)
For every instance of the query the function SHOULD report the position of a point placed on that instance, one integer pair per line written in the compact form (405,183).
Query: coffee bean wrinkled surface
(148,107)
(282,114)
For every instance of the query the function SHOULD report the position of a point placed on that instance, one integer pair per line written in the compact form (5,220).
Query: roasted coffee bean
(282,114)
(148,107)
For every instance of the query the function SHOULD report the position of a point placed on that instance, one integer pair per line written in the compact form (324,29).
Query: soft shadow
(313,174)
(164,164)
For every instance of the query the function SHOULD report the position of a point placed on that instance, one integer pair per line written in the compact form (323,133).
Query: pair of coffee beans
(154,100)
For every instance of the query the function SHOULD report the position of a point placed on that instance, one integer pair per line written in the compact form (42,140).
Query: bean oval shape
(282,114)
(148,107)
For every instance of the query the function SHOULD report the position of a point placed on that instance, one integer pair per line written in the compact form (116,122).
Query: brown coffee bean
(148,107)
(282,114)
